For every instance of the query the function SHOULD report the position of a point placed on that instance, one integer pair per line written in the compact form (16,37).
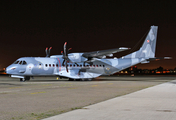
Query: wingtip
(167,57)
(124,48)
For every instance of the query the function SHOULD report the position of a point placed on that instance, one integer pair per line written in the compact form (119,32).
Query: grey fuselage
(42,66)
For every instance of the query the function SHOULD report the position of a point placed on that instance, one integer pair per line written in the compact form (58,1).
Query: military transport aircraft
(83,66)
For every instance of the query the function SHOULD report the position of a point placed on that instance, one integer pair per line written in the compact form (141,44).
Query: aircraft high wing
(84,66)
(103,53)
(87,56)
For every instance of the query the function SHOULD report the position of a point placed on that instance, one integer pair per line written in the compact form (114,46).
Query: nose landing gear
(27,78)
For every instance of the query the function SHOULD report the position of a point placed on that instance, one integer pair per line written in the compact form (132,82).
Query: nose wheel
(24,79)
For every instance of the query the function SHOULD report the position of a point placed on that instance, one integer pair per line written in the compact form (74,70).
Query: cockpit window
(24,63)
(20,62)
(16,62)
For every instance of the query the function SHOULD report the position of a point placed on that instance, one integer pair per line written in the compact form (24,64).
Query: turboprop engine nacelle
(76,57)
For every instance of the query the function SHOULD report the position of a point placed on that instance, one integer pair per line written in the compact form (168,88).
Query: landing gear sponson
(86,79)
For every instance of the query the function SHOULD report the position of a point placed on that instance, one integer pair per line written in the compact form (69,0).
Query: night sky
(28,27)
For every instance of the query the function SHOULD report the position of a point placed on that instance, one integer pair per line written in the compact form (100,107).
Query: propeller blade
(65,48)
(65,56)
(63,62)
(46,50)
(68,50)
(49,51)
(66,65)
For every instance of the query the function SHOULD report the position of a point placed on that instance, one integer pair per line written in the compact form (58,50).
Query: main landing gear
(85,79)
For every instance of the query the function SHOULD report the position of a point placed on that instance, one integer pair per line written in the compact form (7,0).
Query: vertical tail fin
(148,48)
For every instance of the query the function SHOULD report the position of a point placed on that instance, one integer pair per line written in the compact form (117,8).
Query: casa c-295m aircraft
(84,66)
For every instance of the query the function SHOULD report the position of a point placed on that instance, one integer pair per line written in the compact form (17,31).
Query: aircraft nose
(8,69)
(5,70)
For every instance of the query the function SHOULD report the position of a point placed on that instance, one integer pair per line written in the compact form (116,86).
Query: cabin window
(77,65)
(93,65)
(103,65)
(97,65)
(56,65)
(53,65)
(46,65)
(80,65)
(70,65)
(49,65)
(73,65)
(100,65)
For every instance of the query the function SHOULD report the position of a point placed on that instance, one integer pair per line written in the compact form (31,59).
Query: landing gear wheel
(89,79)
(22,79)
(70,79)
(77,79)
(27,78)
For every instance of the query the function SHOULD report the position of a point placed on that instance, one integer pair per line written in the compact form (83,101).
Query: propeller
(48,51)
(65,56)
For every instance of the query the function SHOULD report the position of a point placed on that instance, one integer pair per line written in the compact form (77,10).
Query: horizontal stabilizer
(156,59)
(159,58)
